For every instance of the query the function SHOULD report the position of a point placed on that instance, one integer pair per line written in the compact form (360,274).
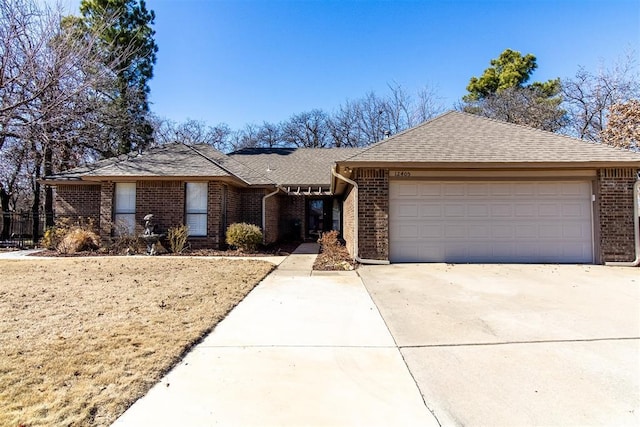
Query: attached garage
(465,188)
(520,221)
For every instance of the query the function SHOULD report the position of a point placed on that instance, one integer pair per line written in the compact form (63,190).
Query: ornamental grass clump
(68,238)
(245,237)
(177,237)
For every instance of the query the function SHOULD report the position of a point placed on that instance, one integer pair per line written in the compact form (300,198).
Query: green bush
(245,237)
(177,237)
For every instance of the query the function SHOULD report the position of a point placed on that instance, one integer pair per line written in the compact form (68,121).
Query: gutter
(355,222)
(636,228)
(264,214)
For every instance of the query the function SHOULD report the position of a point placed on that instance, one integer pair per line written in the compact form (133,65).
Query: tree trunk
(5,198)
(48,190)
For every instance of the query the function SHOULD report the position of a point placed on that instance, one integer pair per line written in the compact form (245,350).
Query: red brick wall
(106,209)
(163,199)
(272,219)
(251,205)
(234,205)
(292,217)
(373,210)
(616,198)
(348,225)
(73,201)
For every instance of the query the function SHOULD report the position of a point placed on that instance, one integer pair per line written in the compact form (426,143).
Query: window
(196,209)
(125,207)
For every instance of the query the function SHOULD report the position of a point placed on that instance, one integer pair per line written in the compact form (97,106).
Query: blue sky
(242,62)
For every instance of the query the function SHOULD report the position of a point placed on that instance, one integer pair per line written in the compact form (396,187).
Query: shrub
(68,237)
(177,237)
(245,237)
(79,240)
(333,255)
(126,242)
(54,235)
(329,241)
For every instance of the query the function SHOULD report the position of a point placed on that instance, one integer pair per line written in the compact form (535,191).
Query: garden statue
(149,235)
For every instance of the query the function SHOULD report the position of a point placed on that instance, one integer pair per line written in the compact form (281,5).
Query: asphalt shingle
(294,166)
(457,137)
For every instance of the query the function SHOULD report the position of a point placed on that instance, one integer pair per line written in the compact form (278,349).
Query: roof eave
(490,165)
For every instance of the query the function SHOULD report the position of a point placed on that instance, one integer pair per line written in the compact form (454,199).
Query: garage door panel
(502,210)
(491,222)
(430,231)
(456,210)
(478,210)
(407,210)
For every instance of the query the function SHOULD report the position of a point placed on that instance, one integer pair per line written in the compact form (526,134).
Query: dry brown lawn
(81,339)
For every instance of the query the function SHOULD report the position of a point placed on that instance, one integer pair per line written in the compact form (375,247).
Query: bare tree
(51,80)
(191,132)
(307,129)
(623,127)
(524,106)
(589,96)
(343,126)
(269,135)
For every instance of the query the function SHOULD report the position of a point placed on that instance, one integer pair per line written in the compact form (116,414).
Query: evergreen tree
(501,92)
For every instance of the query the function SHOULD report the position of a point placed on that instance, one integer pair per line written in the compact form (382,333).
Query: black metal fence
(22,229)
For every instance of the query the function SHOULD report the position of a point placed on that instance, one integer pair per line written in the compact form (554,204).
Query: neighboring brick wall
(234,205)
(373,210)
(616,198)
(73,201)
(272,219)
(292,217)
(163,199)
(251,205)
(106,209)
(348,221)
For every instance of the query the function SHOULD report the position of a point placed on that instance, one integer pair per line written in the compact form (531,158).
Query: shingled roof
(294,166)
(457,139)
(170,160)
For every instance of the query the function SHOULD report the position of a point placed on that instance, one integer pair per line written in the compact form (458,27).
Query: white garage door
(490,222)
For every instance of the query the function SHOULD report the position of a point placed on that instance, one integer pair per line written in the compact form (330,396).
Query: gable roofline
(457,137)
(214,162)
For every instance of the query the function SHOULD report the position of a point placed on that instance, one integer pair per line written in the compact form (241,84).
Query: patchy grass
(82,338)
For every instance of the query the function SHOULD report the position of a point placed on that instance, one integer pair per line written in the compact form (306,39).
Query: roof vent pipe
(636,228)
(355,221)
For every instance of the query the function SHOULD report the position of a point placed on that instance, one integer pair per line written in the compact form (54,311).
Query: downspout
(264,214)
(636,229)
(355,221)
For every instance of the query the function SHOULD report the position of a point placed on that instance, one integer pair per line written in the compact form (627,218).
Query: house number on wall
(402,173)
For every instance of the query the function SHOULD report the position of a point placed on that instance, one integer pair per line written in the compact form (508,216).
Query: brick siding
(272,219)
(292,217)
(348,225)
(251,205)
(616,198)
(74,201)
(164,199)
(106,209)
(373,210)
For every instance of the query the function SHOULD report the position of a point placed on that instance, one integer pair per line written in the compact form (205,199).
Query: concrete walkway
(301,349)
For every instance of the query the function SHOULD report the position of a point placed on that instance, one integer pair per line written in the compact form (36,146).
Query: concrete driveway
(517,344)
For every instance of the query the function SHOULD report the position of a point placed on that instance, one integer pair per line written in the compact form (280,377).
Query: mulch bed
(280,249)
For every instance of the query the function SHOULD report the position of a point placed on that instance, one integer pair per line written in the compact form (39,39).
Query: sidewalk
(301,349)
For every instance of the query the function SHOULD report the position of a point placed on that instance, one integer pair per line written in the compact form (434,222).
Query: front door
(319,216)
